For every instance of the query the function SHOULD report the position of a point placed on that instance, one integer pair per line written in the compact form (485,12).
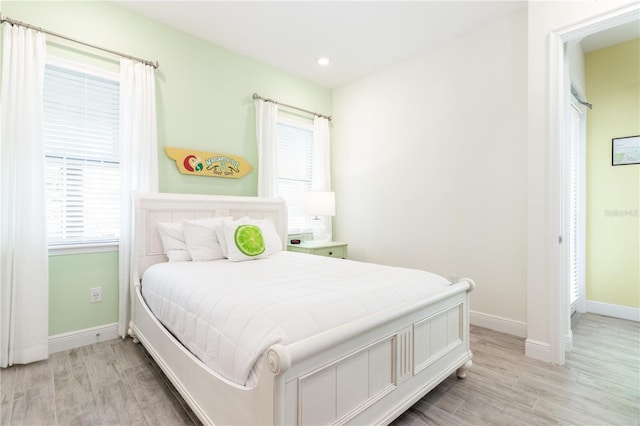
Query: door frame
(558,100)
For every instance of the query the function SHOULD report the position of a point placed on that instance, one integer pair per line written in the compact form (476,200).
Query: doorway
(564,260)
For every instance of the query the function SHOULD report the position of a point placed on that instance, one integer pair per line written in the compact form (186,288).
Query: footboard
(370,373)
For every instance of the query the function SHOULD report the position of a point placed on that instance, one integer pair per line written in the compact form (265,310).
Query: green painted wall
(70,278)
(203,103)
(613,193)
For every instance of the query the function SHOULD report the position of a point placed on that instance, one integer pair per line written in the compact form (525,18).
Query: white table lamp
(319,204)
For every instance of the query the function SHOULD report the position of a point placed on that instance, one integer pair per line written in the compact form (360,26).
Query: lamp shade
(320,203)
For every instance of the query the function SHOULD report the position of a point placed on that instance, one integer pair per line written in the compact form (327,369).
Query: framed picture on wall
(625,151)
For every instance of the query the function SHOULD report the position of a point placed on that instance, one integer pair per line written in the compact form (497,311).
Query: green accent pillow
(249,240)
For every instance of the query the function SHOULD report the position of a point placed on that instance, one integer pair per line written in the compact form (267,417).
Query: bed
(367,369)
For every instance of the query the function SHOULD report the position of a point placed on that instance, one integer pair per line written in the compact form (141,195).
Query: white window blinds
(295,160)
(81,157)
(574,264)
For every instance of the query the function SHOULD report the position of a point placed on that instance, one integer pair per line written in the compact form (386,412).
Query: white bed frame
(365,372)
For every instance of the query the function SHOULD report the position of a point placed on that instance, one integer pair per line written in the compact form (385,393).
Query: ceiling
(358,37)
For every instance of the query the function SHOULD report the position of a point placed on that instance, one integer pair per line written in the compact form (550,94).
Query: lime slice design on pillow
(249,240)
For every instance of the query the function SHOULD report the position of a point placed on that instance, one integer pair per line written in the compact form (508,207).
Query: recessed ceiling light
(323,61)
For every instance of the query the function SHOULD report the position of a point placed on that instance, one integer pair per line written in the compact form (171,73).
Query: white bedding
(228,313)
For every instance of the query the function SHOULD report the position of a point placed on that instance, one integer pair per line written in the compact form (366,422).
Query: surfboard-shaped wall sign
(202,163)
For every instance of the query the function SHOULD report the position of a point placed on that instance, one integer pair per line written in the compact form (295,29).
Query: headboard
(150,208)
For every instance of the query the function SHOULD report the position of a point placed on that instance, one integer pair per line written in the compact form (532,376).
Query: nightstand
(322,248)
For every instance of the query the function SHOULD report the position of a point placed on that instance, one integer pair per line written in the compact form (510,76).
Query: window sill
(83,249)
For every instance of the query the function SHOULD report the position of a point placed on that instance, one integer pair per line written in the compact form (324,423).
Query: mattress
(228,313)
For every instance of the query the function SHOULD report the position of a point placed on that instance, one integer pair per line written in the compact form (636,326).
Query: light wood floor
(116,383)
(598,385)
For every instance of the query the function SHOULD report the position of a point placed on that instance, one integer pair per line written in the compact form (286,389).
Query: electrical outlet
(95,294)
(453,278)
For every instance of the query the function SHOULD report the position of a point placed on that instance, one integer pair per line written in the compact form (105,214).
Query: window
(82,177)
(295,155)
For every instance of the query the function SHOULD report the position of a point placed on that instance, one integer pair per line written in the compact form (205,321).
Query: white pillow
(221,235)
(173,242)
(272,242)
(201,238)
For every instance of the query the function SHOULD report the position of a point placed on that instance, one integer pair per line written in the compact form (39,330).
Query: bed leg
(133,336)
(462,371)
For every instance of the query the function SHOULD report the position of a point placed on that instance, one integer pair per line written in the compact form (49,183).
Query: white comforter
(228,313)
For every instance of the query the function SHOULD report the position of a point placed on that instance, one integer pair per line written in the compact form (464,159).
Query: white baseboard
(88,336)
(496,323)
(616,311)
(537,350)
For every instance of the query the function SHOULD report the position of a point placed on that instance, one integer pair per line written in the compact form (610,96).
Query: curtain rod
(575,94)
(256,96)
(4,18)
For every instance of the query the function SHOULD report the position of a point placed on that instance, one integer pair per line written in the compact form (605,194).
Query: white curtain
(138,162)
(24,268)
(266,125)
(321,167)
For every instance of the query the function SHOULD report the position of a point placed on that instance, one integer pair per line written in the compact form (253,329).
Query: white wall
(430,168)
